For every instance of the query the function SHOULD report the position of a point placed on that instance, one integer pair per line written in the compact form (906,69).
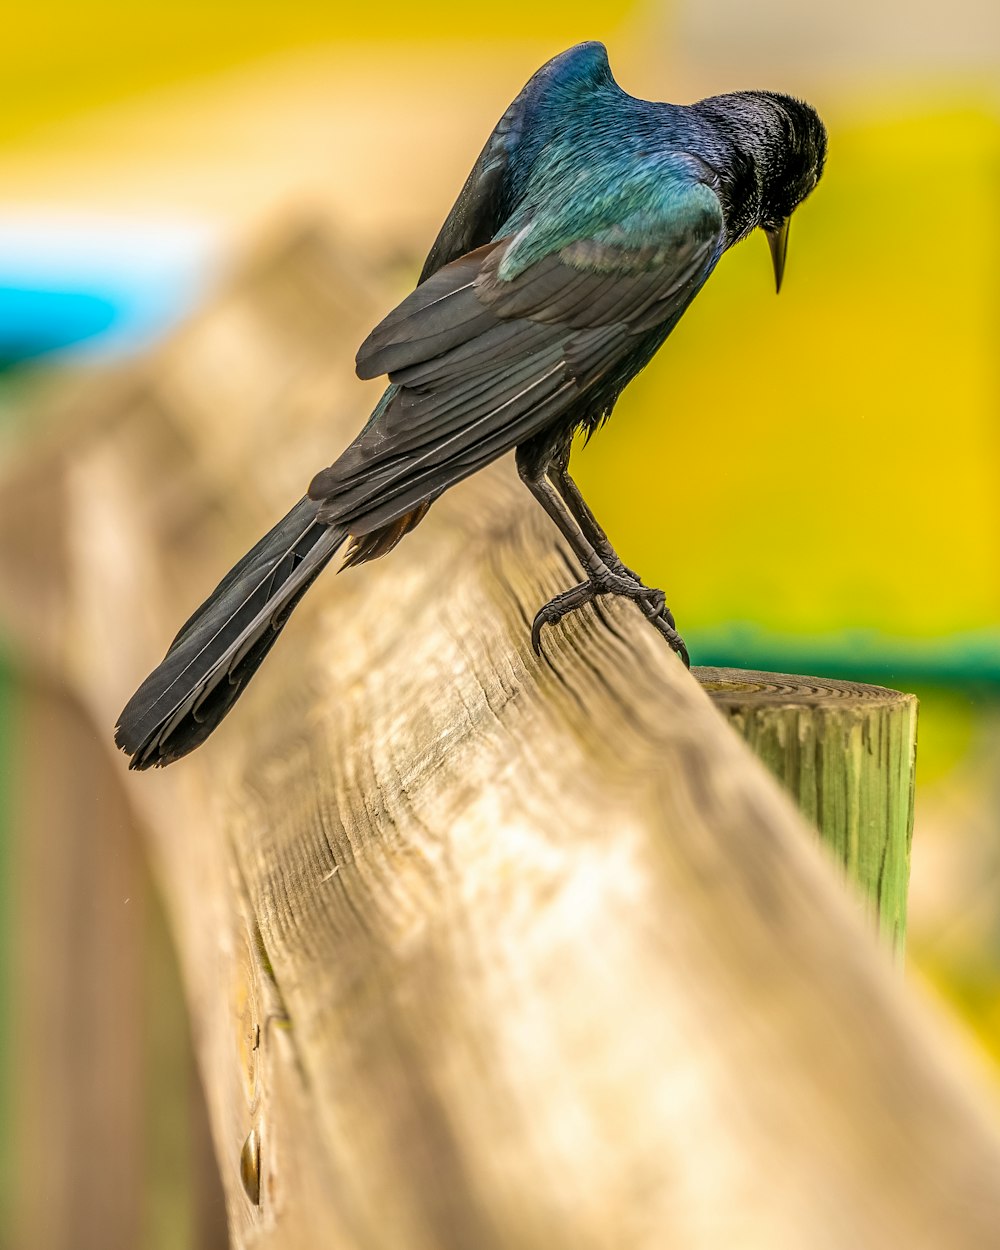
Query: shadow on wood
(483,951)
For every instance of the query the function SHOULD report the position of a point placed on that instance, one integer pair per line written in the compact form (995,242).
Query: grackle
(587,225)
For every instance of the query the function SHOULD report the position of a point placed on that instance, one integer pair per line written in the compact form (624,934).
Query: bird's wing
(485,201)
(481,363)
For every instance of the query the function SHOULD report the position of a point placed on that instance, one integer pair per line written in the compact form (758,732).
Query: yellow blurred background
(815,479)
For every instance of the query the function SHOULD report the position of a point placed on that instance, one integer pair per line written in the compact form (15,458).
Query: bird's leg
(536,480)
(579,509)
(558,473)
(606,574)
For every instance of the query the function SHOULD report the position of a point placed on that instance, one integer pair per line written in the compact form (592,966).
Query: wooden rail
(480,951)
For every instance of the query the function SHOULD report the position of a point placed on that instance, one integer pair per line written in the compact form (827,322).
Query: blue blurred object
(34,322)
(96,284)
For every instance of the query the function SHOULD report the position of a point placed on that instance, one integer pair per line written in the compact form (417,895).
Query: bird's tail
(220,648)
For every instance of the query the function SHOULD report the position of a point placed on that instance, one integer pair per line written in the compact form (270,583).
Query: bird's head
(792,172)
(768,152)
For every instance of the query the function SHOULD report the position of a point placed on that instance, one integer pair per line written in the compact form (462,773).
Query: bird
(588,223)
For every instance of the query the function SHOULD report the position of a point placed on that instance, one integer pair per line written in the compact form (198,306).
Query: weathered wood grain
(486,951)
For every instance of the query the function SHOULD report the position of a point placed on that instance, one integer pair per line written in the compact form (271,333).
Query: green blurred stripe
(969,661)
(7,935)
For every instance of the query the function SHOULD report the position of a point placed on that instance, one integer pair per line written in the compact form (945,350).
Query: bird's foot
(652,603)
(621,569)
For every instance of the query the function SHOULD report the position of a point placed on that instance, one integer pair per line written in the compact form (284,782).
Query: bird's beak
(778,242)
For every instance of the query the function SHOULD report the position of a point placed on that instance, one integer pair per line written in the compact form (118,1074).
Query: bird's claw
(651,601)
(675,642)
(556,609)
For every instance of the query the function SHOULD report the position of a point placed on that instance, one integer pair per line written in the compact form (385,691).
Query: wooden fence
(481,951)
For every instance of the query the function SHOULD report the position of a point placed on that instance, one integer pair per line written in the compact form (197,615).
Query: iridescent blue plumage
(589,222)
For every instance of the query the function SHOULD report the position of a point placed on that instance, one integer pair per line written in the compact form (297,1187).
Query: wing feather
(491,189)
(480,362)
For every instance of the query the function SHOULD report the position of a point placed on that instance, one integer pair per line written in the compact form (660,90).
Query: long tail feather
(222,645)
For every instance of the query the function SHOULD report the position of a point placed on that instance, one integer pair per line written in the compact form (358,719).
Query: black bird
(587,225)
